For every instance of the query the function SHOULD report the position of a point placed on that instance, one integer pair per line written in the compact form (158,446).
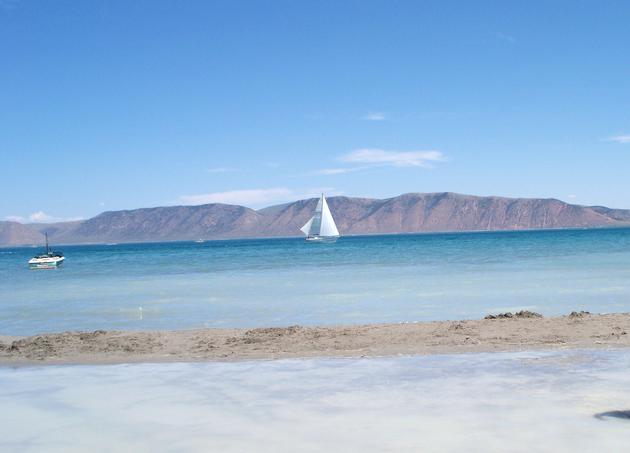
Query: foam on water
(288,281)
(504,402)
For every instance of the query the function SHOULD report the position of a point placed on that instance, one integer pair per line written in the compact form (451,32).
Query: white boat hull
(50,262)
(322,239)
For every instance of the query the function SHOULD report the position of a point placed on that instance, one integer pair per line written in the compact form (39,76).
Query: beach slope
(515,333)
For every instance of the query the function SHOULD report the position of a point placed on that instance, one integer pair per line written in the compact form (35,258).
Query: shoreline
(348,235)
(502,334)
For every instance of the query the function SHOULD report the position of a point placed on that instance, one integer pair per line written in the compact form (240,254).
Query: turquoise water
(560,401)
(244,283)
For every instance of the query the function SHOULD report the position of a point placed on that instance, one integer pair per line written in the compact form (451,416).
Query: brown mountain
(14,233)
(173,223)
(409,213)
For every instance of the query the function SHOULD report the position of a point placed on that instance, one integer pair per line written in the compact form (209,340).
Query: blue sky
(109,105)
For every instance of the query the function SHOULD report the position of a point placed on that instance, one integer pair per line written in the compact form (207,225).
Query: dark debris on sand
(579,314)
(519,314)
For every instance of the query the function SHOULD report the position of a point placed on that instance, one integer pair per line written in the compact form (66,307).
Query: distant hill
(617,214)
(171,223)
(13,233)
(408,213)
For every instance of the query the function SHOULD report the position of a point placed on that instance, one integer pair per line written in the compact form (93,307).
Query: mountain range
(408,213)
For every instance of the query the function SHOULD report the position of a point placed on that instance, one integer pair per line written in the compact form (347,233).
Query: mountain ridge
(406,213)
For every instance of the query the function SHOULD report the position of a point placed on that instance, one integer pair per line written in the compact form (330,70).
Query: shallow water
(288,281)
(504,402)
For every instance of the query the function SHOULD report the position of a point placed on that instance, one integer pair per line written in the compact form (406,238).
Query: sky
(108,105)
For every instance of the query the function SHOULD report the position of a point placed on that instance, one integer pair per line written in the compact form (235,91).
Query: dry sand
(578,330)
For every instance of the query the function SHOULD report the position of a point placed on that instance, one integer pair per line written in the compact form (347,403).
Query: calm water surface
(288,281)
(560,401)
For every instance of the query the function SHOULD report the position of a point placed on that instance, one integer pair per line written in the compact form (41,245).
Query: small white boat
(321,227)
(48,260)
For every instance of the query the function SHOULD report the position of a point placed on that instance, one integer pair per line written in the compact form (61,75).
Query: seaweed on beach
(579,314)
(519,314)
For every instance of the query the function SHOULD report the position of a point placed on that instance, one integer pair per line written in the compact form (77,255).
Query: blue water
(560,401)
(244,283)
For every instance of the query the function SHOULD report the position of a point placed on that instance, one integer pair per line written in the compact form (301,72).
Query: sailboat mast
(47,249)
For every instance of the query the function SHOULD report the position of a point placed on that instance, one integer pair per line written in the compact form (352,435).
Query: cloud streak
(505,37)
(222,170)
(381,157)
(374,116)
(623,139)
(338,171)
(368,158)
(242,197)
(40,217)
(256,197)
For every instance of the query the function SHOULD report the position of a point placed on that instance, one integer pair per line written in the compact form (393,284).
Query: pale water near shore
(504,402)
(244,283)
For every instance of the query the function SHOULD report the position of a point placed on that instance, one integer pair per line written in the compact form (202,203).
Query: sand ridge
(522,331)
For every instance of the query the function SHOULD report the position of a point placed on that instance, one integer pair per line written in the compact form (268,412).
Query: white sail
(321,226)
(327,227)
(306,229)
(316,221)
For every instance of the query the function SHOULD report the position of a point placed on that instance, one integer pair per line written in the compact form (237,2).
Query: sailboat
(321,227)
(48,260)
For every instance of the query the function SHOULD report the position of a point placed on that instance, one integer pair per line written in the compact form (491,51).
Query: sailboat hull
(45,262)
(322,239)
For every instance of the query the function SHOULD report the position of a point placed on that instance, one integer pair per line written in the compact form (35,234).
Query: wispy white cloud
(505,37)
(623,139)
(256,197)
(373,156)
(222,170)
(374,116)
(40,217)
(246,197)
(338,171)
(316,192)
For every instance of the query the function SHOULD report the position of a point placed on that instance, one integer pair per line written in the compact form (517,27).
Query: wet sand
(517,333)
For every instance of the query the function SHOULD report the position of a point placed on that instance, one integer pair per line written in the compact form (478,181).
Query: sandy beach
(516,333)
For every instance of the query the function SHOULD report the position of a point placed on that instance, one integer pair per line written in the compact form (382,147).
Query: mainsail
(322,223)
(327,227)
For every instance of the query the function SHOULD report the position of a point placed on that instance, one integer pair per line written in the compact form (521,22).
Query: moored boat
(49,260)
